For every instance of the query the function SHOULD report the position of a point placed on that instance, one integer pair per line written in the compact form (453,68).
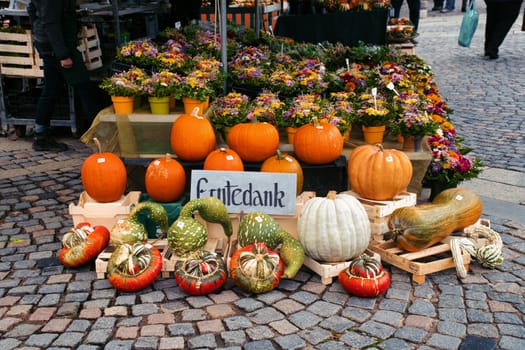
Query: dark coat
(55,28)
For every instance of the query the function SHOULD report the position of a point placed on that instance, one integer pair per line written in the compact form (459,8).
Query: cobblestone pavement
(44,305)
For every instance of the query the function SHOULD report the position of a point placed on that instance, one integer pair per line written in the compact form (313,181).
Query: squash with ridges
(259,227)
(419,227)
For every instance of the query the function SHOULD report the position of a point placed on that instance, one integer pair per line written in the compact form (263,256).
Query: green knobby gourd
(187,234)
(131,230)
(260,227)
(210,209)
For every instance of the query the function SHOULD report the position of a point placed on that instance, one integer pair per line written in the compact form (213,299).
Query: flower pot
(191,103)
(123,104)
(159,105)
(346,135)
(374,134)
(412,143)
(290,132)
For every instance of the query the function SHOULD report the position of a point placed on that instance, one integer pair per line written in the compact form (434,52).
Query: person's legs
(438,5)
(396,4)
(414,7)
(500,18)
(45,107)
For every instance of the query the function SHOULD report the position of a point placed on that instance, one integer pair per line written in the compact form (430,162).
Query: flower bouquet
(373,111)
(267,107)
(341,110)
(142,53)
(412,118)
(161,84)
(302,109)
(230,110)
(126,83)
(450,163)
(196,85)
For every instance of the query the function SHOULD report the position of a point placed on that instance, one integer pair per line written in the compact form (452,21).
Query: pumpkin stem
(279,155)
(380,146)
(168,157)
(97,143)
(315,121)
(195,112)
(222,150)
(331,195)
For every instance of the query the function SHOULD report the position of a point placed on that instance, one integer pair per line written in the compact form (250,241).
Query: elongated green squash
(259,227)
(419,227)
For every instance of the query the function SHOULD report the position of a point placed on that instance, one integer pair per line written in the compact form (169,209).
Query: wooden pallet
(89,47)
(18,58)
(327,271)
(419,264)
(169,259)
(379,211)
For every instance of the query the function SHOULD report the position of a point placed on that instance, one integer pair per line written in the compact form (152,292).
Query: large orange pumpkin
(192,137)
(377,173)
(318,143)
(284,163)
(104,176)
(223,159)
(165,179)
(254,142)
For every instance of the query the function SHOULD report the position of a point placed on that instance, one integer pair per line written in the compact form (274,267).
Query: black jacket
(55,22)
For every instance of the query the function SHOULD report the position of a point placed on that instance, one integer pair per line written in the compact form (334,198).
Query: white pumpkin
(333,229)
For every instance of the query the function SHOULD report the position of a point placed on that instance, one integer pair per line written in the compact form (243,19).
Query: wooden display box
(327,271)
(18,58)
(420,263)
(105,214)
(379,211)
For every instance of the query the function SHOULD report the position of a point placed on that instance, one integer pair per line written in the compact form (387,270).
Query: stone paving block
(127,332)
(291,342)
(288,306)
(90,313)
(264,315)
(260,332)
(478,343)
(395,344)
(283,327)
(412,334)
(389,317)
(144,309)
(202,341)
(356,314)
(171,343)
(99,336)
(315,335)
(324,309)
(232,338)
(220,311)
(8,322)
(116,311)
(304,297)
(193,315)
(376,329)
(423,308)
(57,325)
(259,345)
(511,343)
(210,326)
(304,319)
(454,329)
(69,339)
(337,324)
(199,301)
(224,297)
(443,341)
(271,297)
(43,314)
(161,318)
(354,339)
(119,345)
(147,343)
(249,304)
(181,329)
(41,340)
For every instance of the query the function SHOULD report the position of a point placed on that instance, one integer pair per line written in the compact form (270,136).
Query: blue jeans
(450,4)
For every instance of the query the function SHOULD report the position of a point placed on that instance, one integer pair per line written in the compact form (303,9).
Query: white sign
(247,191)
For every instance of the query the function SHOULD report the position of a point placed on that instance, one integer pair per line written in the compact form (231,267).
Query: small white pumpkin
(333,229)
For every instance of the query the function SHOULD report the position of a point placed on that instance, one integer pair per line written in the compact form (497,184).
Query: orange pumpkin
(254,142)
(192,137)
(223,159)
(165,179)
(104,176)
(377,173)
(318,143)
(284,163)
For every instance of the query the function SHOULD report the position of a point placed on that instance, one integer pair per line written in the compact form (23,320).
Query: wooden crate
(18,58)
(379,211)
(169,259)
(89,47)
(327,271)
(405,48)
(105,214)
(421,263)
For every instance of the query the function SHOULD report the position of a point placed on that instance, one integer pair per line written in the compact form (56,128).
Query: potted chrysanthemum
(123,87)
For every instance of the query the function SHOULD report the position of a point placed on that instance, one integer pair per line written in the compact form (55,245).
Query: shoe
(45,143)
(446,10)
(491,55)
(463,9)
(437,8)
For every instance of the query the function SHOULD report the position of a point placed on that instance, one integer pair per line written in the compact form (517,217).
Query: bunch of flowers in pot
(126,83)
(161,84)
(341,111)
(302,109)
(373,110)
(267,107)
(230,110)
(412,120)
(141,53)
